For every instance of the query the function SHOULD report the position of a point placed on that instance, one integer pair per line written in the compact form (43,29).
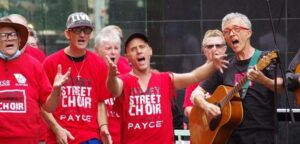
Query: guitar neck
(235,89)
(262,63)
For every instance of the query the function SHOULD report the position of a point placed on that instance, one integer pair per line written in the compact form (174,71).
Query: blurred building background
(175,29)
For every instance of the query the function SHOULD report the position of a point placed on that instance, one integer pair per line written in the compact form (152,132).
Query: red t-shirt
(123,65)
(147,115)
(187,97)
(35,52)
(40,56)
(112,114)
(24,87)
(77,110)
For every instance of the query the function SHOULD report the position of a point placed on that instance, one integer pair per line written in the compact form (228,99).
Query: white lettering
(145,125)
(76,117)
(12,106)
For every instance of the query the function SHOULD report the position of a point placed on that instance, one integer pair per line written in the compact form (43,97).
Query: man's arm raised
(114,84)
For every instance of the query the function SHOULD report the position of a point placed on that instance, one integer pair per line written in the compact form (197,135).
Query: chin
(82,46)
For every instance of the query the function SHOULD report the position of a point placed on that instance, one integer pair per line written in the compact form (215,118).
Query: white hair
(233,15)
(114,28)
(107,37)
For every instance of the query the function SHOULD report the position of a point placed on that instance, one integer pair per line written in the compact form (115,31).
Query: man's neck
(74,52)
(143,78)
(246,53)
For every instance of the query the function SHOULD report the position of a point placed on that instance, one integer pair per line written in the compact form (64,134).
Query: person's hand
(112,67)
(105,135)
(60,79)
(218,60)
(211,110)
(62,135)
(255,75)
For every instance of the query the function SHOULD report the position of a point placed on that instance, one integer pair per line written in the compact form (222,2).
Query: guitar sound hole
(215,122)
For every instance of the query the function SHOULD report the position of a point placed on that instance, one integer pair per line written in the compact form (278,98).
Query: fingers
(67,74)
(213,110)
(62,141)
(110,62)
(221,70)
(59,69)
(70,136)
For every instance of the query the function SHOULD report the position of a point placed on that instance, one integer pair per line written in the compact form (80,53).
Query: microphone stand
(278,63)
(281,68)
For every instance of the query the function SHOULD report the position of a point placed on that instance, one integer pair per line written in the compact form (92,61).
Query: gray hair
(233,15)
(114,28)
(107,37)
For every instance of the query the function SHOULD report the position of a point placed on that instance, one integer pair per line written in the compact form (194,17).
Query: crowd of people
(77,95)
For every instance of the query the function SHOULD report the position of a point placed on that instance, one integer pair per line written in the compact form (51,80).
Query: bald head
(16,18)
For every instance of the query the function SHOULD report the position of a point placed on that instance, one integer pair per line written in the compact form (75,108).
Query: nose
(82,32)
(214,47)
(231,32)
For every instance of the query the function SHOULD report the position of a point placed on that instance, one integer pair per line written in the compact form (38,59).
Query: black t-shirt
(258,104)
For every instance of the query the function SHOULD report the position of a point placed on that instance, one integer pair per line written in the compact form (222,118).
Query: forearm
(270,83)
(53,99)
(102,117)
(203,71)
(51,121)
(115,86)
(198,74)
(198,97)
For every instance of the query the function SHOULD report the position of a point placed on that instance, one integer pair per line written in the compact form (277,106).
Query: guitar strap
(252,63)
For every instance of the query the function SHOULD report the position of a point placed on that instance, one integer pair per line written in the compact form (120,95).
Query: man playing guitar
(257,122)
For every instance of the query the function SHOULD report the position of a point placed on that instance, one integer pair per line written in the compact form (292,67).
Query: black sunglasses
(214,45)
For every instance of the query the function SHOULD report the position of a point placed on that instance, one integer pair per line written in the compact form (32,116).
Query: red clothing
(77,111)
(147,115)
(112,114)
(187,97)
(24,87)
(35,52)
(40,56)
(123,65)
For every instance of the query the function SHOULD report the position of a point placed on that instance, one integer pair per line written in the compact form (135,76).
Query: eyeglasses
(78,30)
(13,36)
(218,46)
(235,29)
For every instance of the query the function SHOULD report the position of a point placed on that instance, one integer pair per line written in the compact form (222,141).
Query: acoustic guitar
(217,130)
(297,92)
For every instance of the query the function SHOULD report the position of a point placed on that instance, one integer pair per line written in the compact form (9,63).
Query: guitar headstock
(266,60)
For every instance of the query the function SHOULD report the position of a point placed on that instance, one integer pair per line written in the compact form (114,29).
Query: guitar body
(297,92)
(205,130)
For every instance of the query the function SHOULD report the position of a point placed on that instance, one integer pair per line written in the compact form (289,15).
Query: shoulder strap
(252,63)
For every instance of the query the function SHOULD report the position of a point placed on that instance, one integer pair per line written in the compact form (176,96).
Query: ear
(249,33)
(67,34)
(92,35)
(151,52)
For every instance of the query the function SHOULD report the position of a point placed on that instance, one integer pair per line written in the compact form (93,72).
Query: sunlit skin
(111,50)
(10,46)
(239,42)
(78,42)
(139,54)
